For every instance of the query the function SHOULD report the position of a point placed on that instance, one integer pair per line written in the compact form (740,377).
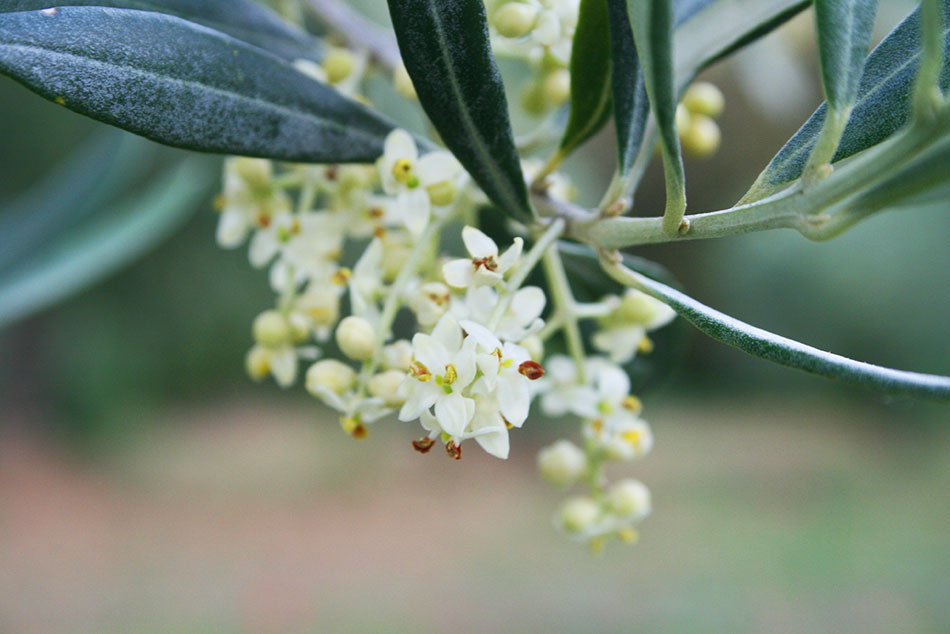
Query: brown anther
(454,450)
(263,221)
(420,371)
(379,232)
(360,431)
(440,299)
(341,277)
(376,212)
(423,445)
(488,262)
(295,227)
(531,369)
(332,172)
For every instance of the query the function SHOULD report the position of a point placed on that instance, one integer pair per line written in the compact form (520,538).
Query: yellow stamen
(402,170)
(633,404)
(451,374)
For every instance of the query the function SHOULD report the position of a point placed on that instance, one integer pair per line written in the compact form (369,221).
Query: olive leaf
(185,85)
(882,107)
(445,46)
(590,75)
(243,20)
(652,25)
(104,241)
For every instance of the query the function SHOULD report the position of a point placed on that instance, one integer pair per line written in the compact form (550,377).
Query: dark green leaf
(777,349)
(104,242)
(631,106)
(882,106)
(652,24)
(705,31)
(243,20)
(844,34)
(708,30)
(590,75)
(185,85)
(445,46)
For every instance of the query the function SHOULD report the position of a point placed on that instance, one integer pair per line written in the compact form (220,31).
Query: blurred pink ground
(254,518)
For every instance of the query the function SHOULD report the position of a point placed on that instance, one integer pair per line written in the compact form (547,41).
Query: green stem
(564,309)
(927,94)
(527,264)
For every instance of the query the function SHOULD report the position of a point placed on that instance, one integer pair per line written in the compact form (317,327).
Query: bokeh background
(147,485)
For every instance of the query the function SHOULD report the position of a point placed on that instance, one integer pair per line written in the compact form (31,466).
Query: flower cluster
(349,248)
(542,33)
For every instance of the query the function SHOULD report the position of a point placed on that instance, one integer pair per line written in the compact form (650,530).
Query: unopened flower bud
(330,374)
(704,98)
(253,171)
(562,463)
(299,326)
(271,329)
(403,83)
(441,194)
(556,87)
(356,338)
(629,499)
(515,19)
(534,346)
(702,137)
(257,363)
(338,64)
(577,515)
(385,386)
(682,118)
(397,356)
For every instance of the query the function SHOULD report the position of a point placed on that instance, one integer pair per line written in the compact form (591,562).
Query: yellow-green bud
(397,355)
(702,137)
(338,64)
(556,87)
(330,374)
(562,463)
(356,338)
(629,499)
(257,363)
(704,98)
(682,118)
(532,99)
(578,514)
(385,386)
(271,329)
(441,194)
(515,19)
(253,171)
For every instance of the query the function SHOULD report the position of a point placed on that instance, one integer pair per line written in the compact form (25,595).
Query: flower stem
(564,309)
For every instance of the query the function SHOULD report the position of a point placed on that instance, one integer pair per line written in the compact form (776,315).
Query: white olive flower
(320,303)
(623,331)
(485,267)
(248,200)
(417,183)
(521,319)
(506,369)
(443,366)
(629,499)
(429,302)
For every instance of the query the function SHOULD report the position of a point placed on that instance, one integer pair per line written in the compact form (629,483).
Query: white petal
(620,344)
(454,411)
(495,443)
(548,28)
(511,255)
(448,333)
(283,365)
(528,304)
(436,167)
(430,352)
(429,422)
(421,398)
(481,334)
(664,315)
(329,397)
(613,382)
(232,228)
(416,211)
(399,145)
(465,365)
(514,398)
(478,244)
(555,403)
(484,277)
(372,409)
(263,247)
(458,273)
(488,364)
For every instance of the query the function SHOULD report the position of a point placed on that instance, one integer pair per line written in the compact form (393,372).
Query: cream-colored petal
(458,273)
(478,244)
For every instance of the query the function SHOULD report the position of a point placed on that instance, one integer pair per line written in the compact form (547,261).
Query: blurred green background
(147,485)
